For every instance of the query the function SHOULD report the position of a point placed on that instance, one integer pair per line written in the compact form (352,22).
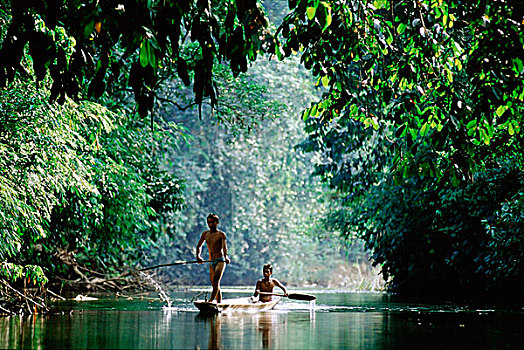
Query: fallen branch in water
(18,302)
(15,298)
(55,295)
(7,311)
(24,296)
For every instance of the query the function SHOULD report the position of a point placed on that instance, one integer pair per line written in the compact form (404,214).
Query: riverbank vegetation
(117,140)
(79,194)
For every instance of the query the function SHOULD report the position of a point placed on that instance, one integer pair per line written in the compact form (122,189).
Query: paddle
(170,264)
(296,296)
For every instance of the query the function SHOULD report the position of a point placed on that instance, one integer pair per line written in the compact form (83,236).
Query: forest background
(131,134)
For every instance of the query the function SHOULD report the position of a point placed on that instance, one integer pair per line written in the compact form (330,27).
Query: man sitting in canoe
(264,288)
(216,244)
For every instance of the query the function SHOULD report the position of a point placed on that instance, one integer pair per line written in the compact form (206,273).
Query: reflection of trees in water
(386,327)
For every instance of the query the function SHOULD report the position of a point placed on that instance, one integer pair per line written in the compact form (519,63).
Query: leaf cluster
(91,48)
(446,76)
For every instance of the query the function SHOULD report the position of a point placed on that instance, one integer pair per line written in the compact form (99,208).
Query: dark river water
(337,320)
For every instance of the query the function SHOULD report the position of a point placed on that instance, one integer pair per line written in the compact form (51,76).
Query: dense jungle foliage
(420,134)
(417,133)
(78,179)
(90,188)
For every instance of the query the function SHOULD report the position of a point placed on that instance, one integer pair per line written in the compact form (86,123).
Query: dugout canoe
(238,304)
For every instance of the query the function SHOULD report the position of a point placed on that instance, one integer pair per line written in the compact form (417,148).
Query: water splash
(161,293)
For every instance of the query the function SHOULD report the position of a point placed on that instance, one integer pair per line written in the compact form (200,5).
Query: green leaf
(484,136)
(401,28)
(379,4)
(458,64)
(424,129)
(449,75)
(490,130)
(389,37)
(310,11)
(305,114)
(472,124)
(374,123)
(413,133)
(313,111)
(144,55)
(324,16)
(88,29)
(151,58)
(278,51)
(354,110)
(401,131)
(325,81)
(518,65)
(438,14)
(501,109)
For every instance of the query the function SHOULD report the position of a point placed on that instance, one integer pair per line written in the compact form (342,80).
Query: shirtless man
(216,244)
(266,284)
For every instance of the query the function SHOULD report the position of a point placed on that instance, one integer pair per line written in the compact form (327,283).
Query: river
(337,320)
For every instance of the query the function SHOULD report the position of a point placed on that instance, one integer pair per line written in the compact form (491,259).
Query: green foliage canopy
(92,47)
(443,76)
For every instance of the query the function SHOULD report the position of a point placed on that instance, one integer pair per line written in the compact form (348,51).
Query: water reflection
(20,332)
(243,330)
(339,321)
(212,322)
(265,325)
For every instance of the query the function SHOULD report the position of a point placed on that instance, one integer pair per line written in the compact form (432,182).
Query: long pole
(170,264)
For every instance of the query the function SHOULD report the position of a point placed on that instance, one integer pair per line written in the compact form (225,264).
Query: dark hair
(269,267)
(214,217)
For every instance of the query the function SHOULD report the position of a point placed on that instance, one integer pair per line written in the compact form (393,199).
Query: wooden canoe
(238,304)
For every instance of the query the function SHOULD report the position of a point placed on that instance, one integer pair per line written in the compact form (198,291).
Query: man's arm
(257,289)
(280,285)
(224,249)
(253,298)
(199,248)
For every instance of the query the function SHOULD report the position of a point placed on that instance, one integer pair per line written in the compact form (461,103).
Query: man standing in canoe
(265,285)
(216,244)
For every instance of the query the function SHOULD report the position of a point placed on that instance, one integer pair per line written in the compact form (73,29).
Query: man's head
(268,268)
(212,221)
(213,217)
